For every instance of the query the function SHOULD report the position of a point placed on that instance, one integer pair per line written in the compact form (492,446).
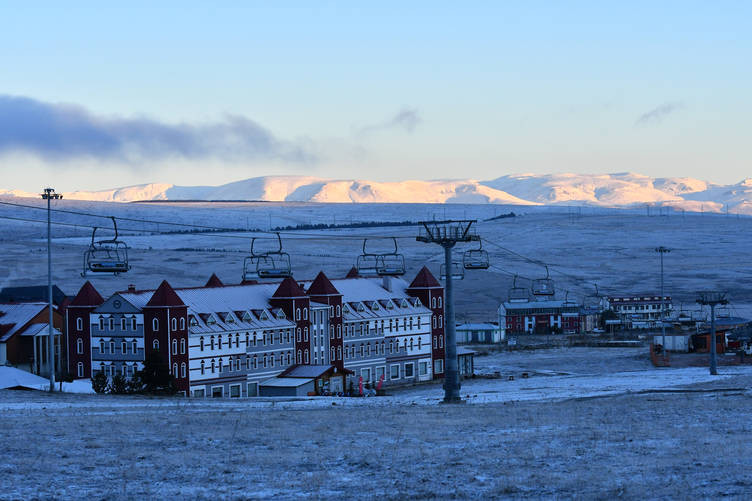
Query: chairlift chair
(456,270)
(380,264)
(268,264)
(517,293)
(544,286)
(475,259)
(390,265)
(106,256)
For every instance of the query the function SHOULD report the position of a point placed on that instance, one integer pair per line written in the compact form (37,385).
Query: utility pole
(663,250)
(49,194)
(712,299)
(447,233)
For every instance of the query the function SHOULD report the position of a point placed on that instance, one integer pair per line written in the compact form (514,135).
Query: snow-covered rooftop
(16,315)
(287,382)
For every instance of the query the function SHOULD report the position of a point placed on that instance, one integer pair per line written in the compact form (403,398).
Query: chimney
(131,288)
(387,283)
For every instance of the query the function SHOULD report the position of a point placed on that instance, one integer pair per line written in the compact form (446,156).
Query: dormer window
(230,319)
(361,307)
(264,316)
(280,315)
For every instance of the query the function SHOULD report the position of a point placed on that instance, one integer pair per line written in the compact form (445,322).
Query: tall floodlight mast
(663,250)
(712,299)
(49,194)
(447,233)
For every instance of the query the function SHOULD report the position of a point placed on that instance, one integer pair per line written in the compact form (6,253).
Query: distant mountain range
(607,190)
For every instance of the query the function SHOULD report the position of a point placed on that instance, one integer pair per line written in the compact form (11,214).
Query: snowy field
(572,430)
(613,248)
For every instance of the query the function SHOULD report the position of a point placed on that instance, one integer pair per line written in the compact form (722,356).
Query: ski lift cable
(216,228)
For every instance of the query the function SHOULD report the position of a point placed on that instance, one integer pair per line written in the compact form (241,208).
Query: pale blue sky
(387,91)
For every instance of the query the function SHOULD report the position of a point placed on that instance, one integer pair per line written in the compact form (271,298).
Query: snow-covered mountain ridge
(608,190)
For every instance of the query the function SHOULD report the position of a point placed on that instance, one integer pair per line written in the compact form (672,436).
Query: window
(133,323)
(247,339)
(368,349)
(441,341)
(203,367)
(433,302)
(441,321)
(271,359)
(265,360)
(182,369)
(339,332)
(299,338)
(175,347)
(80,346)
(235,391)
(409,370)
(237,339)
(362,350)
(122,323)
(435,342)
(155,344)
(300,357)
(213,365)
(182,323)
(217,392)
(297,314)
(366,373)
(201,343)
(255,339)
(306,356)
(339,353)
(174,323)
(79,324)
(288,358)
(80,369)
(124,347)
(182,346)
(433,317)
(255,362)
(379,373)
(112,324)
(305,333)
(438,366)
(420,342)
(219,365)
(263,339)
(112,346)
(412,346)
(423,368)
(155,325)
(252,389)
(199,393)
(339,312)
(101,324)
(175,370)
(331,353)
(439,301)
(305,313)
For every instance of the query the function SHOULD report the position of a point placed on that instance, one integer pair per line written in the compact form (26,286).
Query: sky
(94,95)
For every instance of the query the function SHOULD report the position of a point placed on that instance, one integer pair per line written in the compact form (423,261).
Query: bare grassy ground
(655,445)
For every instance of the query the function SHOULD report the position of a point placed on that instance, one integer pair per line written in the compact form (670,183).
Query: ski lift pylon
(106,256)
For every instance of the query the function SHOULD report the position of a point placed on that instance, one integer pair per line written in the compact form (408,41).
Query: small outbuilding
(301,380)
(286,387)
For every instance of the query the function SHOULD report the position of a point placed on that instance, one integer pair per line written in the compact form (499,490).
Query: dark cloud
(60,131)
(658,114)
(407,119)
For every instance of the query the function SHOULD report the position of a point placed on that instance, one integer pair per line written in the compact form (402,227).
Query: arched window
(339,311)
(271,359)
(182,369)
(182,323)
(433,302)
(80,346)
(174,323)
(305,313)
(339,331)
(433,317)
(219,365)
(441,320)
(439,301)
(175,347)
(211,342)
(297,314)
(134,346)
(305,333)
(201,343)
(101,346)
(420,342)
(299,339)
(101,327)
(441,341)
(203,367)
(122,323)
(112,324)
(255,362)
(155,344)
(182,346)
(265,360)
(133,323)
(331,353)
(79,324)
(80,369)
(306,356)
(288,358)
(300,357)
(213,365)
(155,325)
(435,342)
(175,370)
(339,353)
(237,339)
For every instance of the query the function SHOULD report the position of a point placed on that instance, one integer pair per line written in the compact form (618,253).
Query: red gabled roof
(424,278)
(322,286)
(165,296)
(214,281)
(87,296)
(289,288)
(353,273)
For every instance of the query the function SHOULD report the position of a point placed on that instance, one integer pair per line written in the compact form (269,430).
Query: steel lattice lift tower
(447,234)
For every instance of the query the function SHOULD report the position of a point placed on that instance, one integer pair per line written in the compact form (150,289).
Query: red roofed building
(430,292)
(78,330)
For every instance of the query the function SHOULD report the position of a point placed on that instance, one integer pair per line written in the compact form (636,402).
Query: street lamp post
(49,194)
(712,299)
(663,250)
